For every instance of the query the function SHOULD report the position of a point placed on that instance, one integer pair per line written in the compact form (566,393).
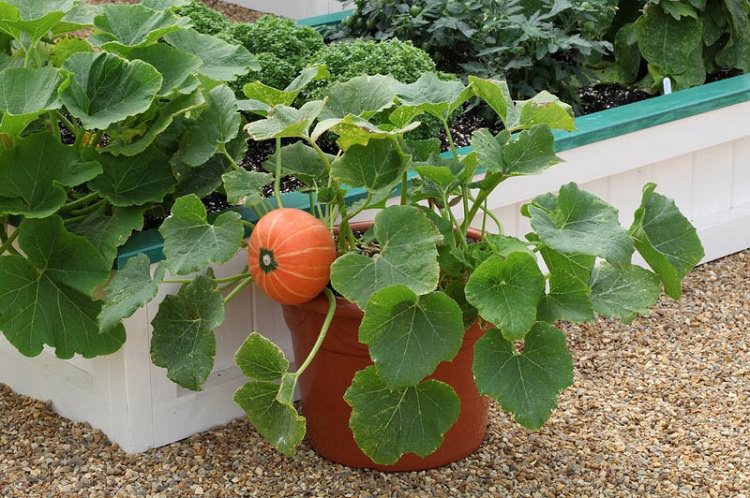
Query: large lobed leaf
(665,239)
(33,174)
(106,89)
(390,423)
(527,384)
(507,291)
(134,25)
(216,126)
(45,296)
(25,93)
(408,257)
(409,335)
(136,180)
(267,404)
(222,61)
(183,341)
(191,243)
(577,222)
(623,292)
(374,166)
(131,288)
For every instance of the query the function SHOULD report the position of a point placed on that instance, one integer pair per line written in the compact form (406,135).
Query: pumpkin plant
(97,133)
(418,279)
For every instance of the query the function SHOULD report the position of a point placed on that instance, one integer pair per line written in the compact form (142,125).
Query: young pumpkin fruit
(289,255)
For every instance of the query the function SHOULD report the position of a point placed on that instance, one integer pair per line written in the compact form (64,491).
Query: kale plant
(281,47)
(536,45)
(205,19)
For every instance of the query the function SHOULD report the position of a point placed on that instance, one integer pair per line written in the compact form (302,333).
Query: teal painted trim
(653,112)
(325,19)
(589,129)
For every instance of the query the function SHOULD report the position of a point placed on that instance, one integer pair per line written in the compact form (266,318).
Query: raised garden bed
(679,141)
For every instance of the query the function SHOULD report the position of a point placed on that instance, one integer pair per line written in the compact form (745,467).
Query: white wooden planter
(702,161)
(296,9)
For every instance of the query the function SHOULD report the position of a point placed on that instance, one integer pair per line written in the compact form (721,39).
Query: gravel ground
(231,11)
(659,408)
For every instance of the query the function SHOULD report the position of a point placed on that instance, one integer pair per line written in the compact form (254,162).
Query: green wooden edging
(589,129)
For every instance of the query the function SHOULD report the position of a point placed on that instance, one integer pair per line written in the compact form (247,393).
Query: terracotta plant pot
(324,383)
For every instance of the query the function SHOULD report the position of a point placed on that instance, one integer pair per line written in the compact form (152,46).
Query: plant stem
(7,245)
(225,153)
(243,283)
(323,331)
(248,224)
(80,202)
(460,234)
(364,206)
(68,124)
(481,197)
(74,219)
(55,126)
(232,278)
(96,139)
(88,209)
(176,281)
(404,185)
(449,136)
(277,176)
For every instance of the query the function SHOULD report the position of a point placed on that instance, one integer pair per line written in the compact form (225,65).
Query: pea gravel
(658,408)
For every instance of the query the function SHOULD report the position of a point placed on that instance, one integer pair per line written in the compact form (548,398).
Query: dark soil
(600,97)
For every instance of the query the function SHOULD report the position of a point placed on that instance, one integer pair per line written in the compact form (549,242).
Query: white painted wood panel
(741,173)
(296,9)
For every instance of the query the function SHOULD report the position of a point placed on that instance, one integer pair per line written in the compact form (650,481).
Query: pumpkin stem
(323,331)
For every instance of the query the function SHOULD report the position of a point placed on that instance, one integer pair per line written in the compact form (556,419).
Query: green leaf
(107,232)
(506,292)
(106,88)
(33,174)
(191,243)
(569,296)
(627,55)
(44,296)
(430,94)
(217,125)
(409,335)
(25,93)
(131,288)
(176,67)
(623,292)
(490,149)
(527,384)
(67,258)
(674,48)
(65,48)
(374,166)
(167,113)
(33,18)
(286,122)
(261,359)
(134,181)
(577,222)
(389,423)
(665,239)
(222,61)
(134,25)
(736,51)
(408,257)
(530,152)
(301,161)
(362,96)
(258,91)
(278,423)
(183,340)
(546,109)
(245,187)
(496,95)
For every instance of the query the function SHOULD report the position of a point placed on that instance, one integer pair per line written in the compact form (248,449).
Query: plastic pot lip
(344,307)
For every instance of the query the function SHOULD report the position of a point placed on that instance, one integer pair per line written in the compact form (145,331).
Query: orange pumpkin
(290,254)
